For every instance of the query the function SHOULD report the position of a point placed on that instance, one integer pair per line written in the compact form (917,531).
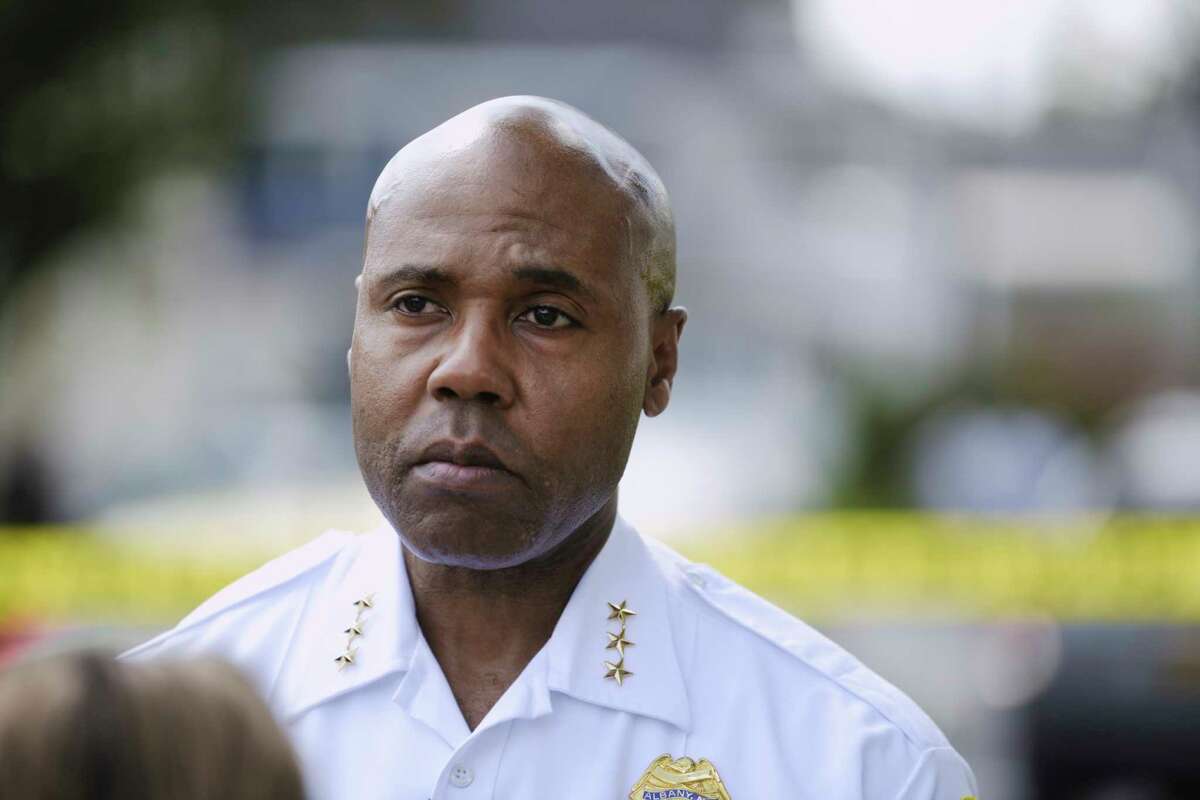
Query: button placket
(470,772)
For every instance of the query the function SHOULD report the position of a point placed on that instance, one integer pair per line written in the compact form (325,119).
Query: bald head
(545,146)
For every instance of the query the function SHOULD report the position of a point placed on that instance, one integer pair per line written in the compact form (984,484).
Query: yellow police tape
(820,566)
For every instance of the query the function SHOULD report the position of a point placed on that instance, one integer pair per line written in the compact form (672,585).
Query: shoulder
(248,621)
(794,680)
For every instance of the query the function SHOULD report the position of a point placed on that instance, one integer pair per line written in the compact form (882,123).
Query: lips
(464,454)
(462,467)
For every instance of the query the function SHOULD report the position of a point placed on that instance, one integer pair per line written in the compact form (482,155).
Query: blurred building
(855,274)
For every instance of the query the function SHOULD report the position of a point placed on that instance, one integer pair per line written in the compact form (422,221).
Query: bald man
(507,635)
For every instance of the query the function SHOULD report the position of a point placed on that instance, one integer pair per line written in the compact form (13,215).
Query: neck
(484,626)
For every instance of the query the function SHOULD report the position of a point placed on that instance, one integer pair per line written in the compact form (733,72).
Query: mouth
(462,466)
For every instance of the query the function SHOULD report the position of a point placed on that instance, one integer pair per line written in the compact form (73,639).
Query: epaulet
(275,573)
(799,640)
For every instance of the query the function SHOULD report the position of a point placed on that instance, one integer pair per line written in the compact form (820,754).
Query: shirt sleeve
(940,774)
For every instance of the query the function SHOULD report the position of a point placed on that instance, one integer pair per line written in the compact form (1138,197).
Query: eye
(416,305)
(547,317)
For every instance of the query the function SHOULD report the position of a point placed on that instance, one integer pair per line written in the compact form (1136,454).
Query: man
(507,634)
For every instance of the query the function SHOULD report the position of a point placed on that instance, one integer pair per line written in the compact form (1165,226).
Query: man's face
(499,308)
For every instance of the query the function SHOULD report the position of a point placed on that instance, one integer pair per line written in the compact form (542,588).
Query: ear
(666,328)
(350,350)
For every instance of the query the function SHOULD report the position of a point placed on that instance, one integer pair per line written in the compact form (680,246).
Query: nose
(473,367)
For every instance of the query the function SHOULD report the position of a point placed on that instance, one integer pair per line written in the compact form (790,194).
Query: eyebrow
(436,276)
(553,276)
(415,273)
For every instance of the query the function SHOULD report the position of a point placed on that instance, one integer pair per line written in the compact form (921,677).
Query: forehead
(504,202)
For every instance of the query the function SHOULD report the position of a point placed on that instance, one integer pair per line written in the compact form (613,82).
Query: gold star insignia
(618,642)
(367,601)
(619,611)
(355,629)
(346,658)
(617,671)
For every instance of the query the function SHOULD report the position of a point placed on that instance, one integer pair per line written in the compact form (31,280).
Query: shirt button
(461,776)
(697,579)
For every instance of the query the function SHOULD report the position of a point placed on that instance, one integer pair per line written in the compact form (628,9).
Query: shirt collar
(374,573)
(623,571)
(573,658)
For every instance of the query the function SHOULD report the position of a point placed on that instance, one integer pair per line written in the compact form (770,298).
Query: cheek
(385,382)
(583,413)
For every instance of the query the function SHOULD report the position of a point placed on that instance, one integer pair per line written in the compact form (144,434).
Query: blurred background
(939,390)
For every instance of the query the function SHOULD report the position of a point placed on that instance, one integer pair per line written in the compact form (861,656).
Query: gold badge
(682,778)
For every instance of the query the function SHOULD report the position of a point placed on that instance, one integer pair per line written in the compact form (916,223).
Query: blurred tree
(95,97)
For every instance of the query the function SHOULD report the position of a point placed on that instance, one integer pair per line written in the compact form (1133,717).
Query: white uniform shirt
(715,673)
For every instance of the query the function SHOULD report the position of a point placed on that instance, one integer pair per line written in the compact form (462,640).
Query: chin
(455,537)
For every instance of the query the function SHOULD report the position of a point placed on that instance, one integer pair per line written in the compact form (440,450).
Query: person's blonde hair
(86,726)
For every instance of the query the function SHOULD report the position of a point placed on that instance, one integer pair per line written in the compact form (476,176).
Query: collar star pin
(619,611)
(346,659)
(617,671)
(618,642)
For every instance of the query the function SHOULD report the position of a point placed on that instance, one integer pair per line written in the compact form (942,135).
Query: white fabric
(718,673)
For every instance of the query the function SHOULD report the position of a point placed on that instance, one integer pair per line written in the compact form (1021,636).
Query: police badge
(681,778)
